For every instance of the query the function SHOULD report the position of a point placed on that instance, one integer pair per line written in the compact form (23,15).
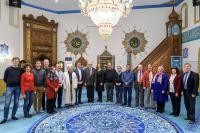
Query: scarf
(52,76)
(159,78)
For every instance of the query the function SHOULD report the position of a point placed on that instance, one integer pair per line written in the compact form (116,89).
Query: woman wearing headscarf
(52,83)
(160,89)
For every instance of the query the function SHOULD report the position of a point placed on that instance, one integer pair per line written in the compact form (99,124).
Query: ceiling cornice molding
(78,11)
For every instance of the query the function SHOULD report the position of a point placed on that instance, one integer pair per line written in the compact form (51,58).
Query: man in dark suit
(190,86)
(90,81)
(80,75)
(138,86)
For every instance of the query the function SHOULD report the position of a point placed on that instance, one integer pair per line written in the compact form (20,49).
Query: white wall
(151,21)
(193,46)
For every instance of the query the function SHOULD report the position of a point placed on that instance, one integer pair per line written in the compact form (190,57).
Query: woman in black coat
(99,82)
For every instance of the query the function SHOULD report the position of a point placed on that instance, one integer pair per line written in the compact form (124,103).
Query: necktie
(90,71)
(185,80)
(140,77)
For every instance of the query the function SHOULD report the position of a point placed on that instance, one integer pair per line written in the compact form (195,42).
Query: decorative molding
(184,8)
(76,42)
(191,35)
(177,2)
(134,42)
(14,17)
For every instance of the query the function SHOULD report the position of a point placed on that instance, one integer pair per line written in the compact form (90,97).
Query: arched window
(196,14)
(184,15)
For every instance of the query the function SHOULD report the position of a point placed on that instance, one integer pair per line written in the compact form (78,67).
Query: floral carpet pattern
(104,118)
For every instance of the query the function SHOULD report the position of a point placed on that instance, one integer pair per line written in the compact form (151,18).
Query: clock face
(175,29)
(76,42)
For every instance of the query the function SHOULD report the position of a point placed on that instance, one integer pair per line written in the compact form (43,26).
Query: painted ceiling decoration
(72,6)
(134,42)
(76,42)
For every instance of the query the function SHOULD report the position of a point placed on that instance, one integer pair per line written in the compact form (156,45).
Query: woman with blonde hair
(160,88)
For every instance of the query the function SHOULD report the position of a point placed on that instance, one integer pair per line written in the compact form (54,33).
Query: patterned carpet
(104,118)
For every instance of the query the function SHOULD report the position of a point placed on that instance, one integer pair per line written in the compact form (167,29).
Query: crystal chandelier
(105,13)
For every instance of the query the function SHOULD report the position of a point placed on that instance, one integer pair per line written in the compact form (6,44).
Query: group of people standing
(44,85)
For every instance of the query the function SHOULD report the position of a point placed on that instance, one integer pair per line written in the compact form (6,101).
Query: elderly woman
(160,89)
(52,83)
(70,86)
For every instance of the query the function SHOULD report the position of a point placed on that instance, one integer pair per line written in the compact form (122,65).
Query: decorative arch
(184,15)
(196,14)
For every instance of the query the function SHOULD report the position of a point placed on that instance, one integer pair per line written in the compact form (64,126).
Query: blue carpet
(24,124)
(101,118)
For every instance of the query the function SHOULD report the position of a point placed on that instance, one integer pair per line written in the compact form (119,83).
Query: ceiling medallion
(106,13)
(76,42)
(134,42)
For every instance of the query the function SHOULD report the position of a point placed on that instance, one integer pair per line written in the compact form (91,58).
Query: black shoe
(191,121)
(176,115)
(3,121)
(124,104)
(14,118)
(80,103)
(30,115)
(129,105)
(76,103)
(172,113)
(27,116)
(59,107)
(187,118)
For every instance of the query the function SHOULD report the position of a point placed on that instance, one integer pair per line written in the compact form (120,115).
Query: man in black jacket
(190,86)
(12,80)
(118,85)
(109,77)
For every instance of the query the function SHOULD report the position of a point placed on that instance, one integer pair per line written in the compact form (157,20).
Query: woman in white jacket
(70,86)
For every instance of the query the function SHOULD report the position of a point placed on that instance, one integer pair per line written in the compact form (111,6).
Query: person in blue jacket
(160,89)
(127,79)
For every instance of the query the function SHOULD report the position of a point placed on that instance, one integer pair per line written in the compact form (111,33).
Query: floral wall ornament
(134,42)
(76,42)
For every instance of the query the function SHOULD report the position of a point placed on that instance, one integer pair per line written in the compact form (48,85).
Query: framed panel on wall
(14,16)
(176,61)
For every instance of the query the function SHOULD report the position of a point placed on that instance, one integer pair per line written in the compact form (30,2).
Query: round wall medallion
(76,42)
(134,42)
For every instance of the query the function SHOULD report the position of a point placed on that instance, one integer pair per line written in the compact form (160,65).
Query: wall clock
(76,42)
(134,42)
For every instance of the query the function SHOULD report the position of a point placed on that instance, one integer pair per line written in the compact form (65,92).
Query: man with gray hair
(70,85)
(138,86)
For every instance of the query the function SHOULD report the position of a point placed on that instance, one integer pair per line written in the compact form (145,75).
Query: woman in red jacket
(27,89)
(175,91)
(52,85)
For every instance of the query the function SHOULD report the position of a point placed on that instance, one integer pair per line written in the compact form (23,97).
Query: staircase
(170,46)
(161,55)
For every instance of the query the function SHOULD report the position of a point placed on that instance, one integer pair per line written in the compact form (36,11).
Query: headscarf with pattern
(52,75)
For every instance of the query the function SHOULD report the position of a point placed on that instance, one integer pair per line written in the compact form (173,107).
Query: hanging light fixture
(105,13)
